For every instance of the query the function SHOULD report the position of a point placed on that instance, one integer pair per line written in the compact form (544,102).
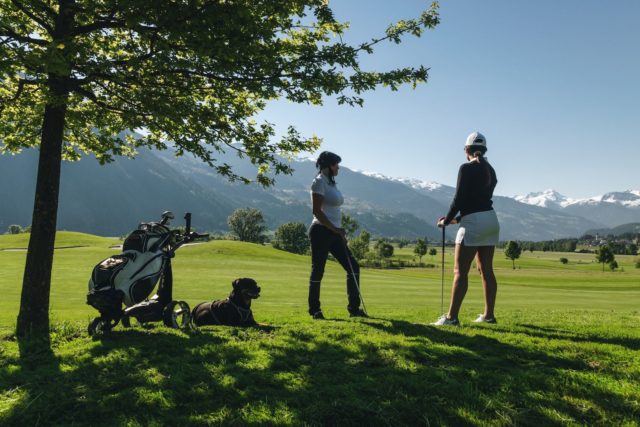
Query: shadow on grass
(371,372)
(24,376)
(630,343)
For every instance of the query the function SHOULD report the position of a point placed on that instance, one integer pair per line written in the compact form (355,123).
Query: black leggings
(323,242)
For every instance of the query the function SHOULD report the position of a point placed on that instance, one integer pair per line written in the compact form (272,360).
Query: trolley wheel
(177,315)
(101,326)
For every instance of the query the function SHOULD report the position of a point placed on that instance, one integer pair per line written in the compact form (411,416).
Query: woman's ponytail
(479,155)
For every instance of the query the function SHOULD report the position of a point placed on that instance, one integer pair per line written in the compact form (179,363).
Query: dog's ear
(235,284)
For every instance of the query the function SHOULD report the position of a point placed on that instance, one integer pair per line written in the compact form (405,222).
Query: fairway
(204,272)
(565,349)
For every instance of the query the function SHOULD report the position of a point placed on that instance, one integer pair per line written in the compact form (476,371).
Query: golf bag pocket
(104,274)
(108,302)
(140,289)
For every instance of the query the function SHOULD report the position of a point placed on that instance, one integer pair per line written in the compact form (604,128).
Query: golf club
(442,280)
(355,278)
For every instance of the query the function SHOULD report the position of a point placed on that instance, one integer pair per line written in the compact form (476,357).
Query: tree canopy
(291,237)
(605,256)
(78,76)
(247,224)
(512,250)
(420,248)
(194,73)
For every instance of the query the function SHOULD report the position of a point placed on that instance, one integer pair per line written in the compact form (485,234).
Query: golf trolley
(129,279)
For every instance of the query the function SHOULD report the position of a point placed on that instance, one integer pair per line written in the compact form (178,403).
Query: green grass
(566,350)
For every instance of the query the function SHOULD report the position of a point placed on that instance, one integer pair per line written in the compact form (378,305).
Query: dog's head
(247,288)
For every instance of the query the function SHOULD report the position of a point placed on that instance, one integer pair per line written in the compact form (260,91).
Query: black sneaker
(318,315)
(358,313)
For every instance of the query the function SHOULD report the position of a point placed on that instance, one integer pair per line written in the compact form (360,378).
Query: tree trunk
(33,318)
(36,284)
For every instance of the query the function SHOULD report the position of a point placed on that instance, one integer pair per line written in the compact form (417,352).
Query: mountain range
(612,209)
(113,199)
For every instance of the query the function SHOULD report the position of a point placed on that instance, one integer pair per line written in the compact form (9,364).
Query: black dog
(233,311)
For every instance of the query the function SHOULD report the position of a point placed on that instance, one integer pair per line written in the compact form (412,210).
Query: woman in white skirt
(478,233)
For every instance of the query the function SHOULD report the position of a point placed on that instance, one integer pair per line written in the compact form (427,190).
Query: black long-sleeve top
(473,191)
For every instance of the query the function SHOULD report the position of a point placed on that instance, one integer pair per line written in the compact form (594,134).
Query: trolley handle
(190,236)
(187,219)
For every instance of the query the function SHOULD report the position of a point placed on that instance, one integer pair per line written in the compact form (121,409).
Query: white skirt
(479,229)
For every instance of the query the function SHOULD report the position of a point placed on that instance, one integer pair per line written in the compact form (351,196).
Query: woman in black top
(479,230)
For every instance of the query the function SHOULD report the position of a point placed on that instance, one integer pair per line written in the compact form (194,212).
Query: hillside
(633,227)
(64,239)
(112,199)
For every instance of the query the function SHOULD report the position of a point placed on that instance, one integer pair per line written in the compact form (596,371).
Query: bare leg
(463,257)
(489,283)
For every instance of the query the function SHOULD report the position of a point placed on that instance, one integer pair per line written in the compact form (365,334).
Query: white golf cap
(476,138)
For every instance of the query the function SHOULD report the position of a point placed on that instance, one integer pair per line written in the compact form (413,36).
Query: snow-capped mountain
(517,220)
(552,199)
(441,192)
(629,198)
(546,199)
(613,208)
(411,182)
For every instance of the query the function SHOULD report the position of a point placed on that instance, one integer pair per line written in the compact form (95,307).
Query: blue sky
(553,85)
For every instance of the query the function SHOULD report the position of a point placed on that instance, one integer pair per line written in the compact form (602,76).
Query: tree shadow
(630,343)
(321,374)
(27,372)
(532,377)
(34,351)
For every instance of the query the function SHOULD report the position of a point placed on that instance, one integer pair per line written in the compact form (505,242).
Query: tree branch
(43,23)
(8,32)
(44,8)
(99,25)
(109,24)
(90,95)
(226,79)
(21,84)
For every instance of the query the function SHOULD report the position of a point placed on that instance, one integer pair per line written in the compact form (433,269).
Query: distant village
(623,244)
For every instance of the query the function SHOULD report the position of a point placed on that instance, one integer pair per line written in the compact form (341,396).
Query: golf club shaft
(355,278)
(442,280)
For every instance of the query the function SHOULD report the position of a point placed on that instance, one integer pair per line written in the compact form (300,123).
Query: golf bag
(130,277)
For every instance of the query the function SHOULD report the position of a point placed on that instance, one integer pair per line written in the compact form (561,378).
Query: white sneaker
(482,319)
(443,321)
